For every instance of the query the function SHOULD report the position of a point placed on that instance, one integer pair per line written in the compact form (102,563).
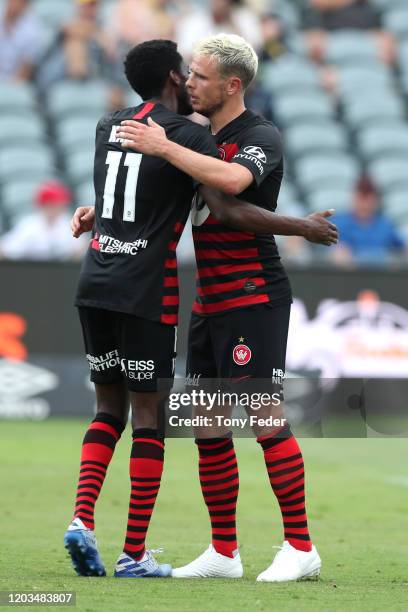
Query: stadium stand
(18,197)
(335,197)
(396,206)
(396,21)
(330,133)
(382,140)
(53,14)
(337,170)
(25,161)
(16,97)
(77,98)
(305,139)
(350,48)
(76,133)
(29,132)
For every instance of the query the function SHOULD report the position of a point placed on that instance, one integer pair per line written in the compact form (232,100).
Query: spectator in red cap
(45,234)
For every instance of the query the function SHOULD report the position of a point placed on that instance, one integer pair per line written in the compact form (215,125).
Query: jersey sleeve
(102,126)
(198,139)
(260,151)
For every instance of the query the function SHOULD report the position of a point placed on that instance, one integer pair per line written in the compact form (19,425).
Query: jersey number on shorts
(132,161)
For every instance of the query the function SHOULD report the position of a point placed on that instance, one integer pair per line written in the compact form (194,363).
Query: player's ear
(234,86)
(175,78)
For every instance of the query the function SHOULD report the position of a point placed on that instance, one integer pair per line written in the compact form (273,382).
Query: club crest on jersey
(222,152)
(227,150)
(241,354)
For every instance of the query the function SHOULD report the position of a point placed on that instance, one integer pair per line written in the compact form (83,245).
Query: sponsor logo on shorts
(193,380)
(277,376)
(138,369)
(108,244)
(101,363)
(241,354)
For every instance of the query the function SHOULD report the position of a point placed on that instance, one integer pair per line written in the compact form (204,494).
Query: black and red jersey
(237,269)
(142,204)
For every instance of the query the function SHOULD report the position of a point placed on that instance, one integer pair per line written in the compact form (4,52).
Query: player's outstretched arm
(247,217)
(82,220)
(151,139)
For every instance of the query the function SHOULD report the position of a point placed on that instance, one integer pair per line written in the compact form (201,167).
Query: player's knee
(147,409)
(144,418)
(113,399)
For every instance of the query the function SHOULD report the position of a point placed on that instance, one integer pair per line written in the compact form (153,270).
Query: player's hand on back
(82,220)
(321,231)
(149,139)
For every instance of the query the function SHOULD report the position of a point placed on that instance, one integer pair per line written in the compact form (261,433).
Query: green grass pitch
(358,511)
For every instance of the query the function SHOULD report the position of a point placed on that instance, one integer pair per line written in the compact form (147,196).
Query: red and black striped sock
(145,469)
(97,450)
(219,481)
(285,467)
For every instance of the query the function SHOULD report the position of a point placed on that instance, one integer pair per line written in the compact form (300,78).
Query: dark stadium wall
(43,369)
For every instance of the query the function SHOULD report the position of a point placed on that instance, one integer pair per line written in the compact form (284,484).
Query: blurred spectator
(342,14)
(44,234)
(366,234)
(82,50)
(323,16)
(20,40)
(230,16)
(273,33)
(294,249)
(133,21)
(259,101)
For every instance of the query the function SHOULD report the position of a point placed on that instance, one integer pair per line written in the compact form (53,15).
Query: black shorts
(121,346)
(246,343)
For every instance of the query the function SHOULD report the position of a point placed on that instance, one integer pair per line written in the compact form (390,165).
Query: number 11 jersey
(141,206)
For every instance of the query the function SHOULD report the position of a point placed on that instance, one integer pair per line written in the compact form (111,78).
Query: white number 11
(132,161)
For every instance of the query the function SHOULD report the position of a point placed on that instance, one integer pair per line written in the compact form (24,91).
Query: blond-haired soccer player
(243,300)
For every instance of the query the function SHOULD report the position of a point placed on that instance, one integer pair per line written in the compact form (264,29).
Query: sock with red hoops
(97,450)
(219,484)
(284,462)
(145,469)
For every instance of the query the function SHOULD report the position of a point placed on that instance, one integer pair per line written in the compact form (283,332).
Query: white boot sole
(234,574)
(313,575)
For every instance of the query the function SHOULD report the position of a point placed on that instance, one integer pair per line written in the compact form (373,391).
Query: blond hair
(235,56)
